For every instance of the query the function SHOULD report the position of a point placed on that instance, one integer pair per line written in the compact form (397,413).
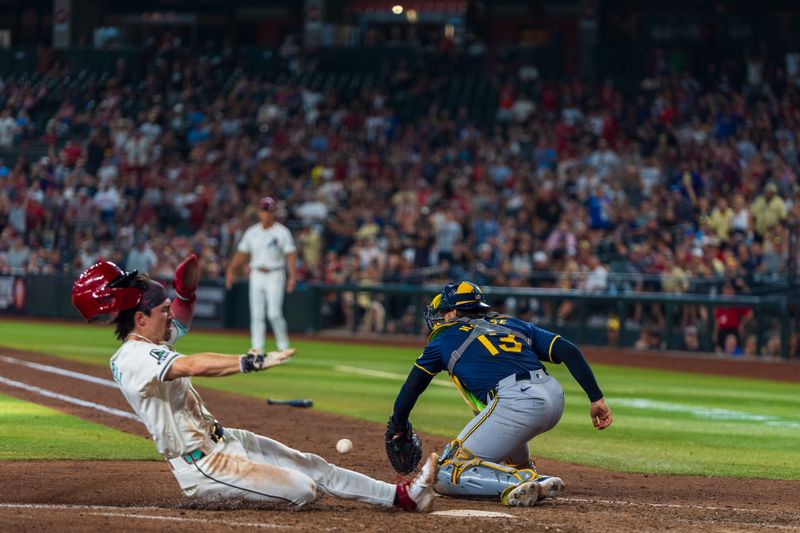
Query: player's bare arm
(217,365)
(237,262)
(291,271)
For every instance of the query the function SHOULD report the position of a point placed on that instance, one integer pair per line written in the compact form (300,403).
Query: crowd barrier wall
(314,307)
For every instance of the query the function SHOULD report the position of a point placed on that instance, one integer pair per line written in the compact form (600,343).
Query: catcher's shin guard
(463,474)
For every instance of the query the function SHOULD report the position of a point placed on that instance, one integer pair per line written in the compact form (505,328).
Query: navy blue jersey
(488,358)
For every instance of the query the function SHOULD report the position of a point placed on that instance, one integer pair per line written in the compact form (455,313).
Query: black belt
(195,455)
(519,376)
(525,376)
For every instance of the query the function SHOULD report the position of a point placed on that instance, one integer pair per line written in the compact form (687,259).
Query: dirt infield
(136,496)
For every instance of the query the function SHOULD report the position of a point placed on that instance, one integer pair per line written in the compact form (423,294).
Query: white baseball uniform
(240,464)
(268,249)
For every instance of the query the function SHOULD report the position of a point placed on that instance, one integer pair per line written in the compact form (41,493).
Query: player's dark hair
(124,321)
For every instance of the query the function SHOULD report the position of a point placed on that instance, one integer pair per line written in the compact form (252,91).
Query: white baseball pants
(246,465)
(266,292)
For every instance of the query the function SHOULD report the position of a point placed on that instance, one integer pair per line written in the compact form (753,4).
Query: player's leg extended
(329,479)
(257,306)
(275,291)
(228,472)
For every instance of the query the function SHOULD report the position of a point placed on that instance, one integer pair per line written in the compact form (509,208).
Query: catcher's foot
(526,494)
(549,486)
(417,495)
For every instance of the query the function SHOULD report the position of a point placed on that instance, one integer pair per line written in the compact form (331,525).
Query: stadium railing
(773,314)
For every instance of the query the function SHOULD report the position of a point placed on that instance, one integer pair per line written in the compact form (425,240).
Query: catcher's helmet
(102,291)
(461,295)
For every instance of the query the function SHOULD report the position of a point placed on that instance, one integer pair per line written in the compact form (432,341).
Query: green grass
(664,422)
(31,431)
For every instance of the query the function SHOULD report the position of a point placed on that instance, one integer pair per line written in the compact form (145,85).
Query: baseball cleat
(417,495)
(549,486)
(526,494)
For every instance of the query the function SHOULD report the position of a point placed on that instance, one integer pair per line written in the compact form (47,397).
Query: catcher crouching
(210,461)
(496,363)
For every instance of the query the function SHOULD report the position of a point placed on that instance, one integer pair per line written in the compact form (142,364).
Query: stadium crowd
(682,182)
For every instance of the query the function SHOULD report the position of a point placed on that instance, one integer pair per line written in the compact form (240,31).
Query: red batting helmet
(101,292)
(267,203)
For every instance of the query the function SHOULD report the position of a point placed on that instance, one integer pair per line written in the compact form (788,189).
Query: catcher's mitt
(403,447)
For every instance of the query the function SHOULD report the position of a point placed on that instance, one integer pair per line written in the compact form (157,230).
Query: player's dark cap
(267,203)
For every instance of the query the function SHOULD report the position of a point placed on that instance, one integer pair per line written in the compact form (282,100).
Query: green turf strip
(31,431)
(664,422)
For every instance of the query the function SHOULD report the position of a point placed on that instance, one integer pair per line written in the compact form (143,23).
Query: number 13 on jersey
(509,343)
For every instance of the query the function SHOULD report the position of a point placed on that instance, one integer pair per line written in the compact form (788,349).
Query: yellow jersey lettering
(488,345)
(510,344)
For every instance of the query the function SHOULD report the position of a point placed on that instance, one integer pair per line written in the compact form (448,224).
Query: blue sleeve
(542,342)
(415,384)
(430,361)
(556,349)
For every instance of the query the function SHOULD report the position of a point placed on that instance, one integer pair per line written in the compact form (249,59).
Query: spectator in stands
(741,215)
(767,210)
(8,129)
(141,257)
(730,320)
(690,341)
(597,278)
(649,338)
(448,232)
(773,347)
(731,346)
(750,348)
(18,256)
(721,219)
(615,179)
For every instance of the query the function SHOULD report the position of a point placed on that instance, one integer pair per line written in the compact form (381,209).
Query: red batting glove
(187,275)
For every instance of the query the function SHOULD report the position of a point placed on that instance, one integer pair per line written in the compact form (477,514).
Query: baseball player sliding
(495,362)
(210,461)
(270,249)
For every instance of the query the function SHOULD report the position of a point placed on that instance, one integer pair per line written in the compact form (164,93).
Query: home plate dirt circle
(472,513)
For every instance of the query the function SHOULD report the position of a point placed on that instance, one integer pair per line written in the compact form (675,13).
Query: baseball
(344,446)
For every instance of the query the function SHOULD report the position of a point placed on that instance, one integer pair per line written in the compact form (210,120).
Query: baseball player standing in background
(207,460)
(270,248)
(495,362)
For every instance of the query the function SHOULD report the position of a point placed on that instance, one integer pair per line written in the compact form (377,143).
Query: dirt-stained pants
(246,465)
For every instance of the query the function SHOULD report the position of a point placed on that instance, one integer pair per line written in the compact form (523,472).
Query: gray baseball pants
(522,408)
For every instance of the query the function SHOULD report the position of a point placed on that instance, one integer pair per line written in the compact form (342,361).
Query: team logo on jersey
(115,372)
(159,355)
